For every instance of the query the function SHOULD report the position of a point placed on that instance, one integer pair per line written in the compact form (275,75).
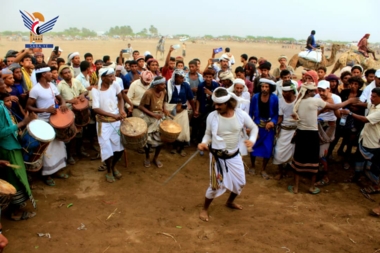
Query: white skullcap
(323,84)
(106,71)
(147,53)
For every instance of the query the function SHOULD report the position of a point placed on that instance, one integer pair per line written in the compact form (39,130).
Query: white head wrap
(226,75)
(224,99)
(282,57)
(157,82)
(42,70)
(268,81)
(72,55)
(106,71)
(147,53)
(224,57)
(237,81)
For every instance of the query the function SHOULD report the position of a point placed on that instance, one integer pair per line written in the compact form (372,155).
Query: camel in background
(296,61)
(357,58)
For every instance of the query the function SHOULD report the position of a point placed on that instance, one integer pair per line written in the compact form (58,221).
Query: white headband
(107,71)
(42,70)
(71,56)
(224,99)
(157,82)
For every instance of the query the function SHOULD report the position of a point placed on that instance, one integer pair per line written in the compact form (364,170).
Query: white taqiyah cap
(323,84)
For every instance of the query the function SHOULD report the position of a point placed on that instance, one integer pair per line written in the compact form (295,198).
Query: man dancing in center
(224,132)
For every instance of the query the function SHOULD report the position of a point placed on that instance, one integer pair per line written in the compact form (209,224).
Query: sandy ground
(148,216)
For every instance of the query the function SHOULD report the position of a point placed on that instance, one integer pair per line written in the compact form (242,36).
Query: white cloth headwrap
(106,71)
(224,99)
(304,88)
(237,81)
(72,55)
(43,70)
(157,82)
(170,87)
(268,81)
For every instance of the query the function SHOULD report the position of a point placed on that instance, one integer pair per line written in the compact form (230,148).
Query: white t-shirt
(366,94)
(307,112)
(329,115)
(229,129)
(119,82)
(107,99)
(44,98)
(286,110)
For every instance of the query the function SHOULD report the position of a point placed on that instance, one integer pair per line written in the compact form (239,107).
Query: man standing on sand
(284,149)
(306,139)
(264,111)
(223,136)
(108,104)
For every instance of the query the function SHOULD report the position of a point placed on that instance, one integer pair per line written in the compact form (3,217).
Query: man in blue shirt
(311,44)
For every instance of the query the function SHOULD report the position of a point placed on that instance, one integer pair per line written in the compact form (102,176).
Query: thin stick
(106,249)
(169,235)
(287,250)
(102,221)
(348,221)
(180,168)
(109,216)
(351,240)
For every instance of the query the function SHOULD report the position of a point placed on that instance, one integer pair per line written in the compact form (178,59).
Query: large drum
(169,131)
(34,141)
(134,133)
(6,193)
(64,126)
(82,113)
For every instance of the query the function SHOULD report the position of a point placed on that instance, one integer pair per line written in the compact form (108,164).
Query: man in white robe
(284,149)
(222,138)
(107,102)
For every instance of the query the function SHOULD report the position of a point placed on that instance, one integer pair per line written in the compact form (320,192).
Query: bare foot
(203,215)
(234,206)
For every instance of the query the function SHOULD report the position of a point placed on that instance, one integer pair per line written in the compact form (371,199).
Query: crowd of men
(230,110)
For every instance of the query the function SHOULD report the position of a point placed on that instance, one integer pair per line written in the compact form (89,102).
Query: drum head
(41,130)
(62,120)
(133,126)
(170,126)
(81,105)
(6,188)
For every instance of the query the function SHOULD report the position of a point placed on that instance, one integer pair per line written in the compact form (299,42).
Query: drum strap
(103,119)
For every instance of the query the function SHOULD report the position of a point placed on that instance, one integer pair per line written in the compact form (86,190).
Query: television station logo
(35,22)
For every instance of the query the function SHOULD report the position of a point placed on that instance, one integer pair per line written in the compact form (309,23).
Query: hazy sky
(346,20)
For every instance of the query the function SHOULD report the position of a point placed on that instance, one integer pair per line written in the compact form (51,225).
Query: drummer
(43,100)
(73,92)
(137,90)
(152,105)
(10,150)
(107,102)
(181,94)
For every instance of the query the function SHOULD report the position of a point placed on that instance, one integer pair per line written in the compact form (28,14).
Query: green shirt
(8,130)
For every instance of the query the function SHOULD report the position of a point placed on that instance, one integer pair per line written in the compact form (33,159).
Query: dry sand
(152,217)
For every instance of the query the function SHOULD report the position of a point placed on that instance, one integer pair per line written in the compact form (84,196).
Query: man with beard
(264,68)
(283,151)
(264,111)
(222,138)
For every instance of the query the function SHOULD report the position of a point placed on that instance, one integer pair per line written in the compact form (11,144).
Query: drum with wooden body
(134,133)
(6,193)
(63,124)
(34,141)
(169,131)
(82,113)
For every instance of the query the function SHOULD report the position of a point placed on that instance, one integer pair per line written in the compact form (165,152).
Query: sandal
(322,182)
(95,157)
(102,167)
(375,211)
(173,151)
(50,182)
(265,175)
(117,174)
(62,175)
(315,191)
(182,153)
(252,172)
(366,195)
(146,163)
(158,163)
(346,166)
(24,216)
(110,179)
